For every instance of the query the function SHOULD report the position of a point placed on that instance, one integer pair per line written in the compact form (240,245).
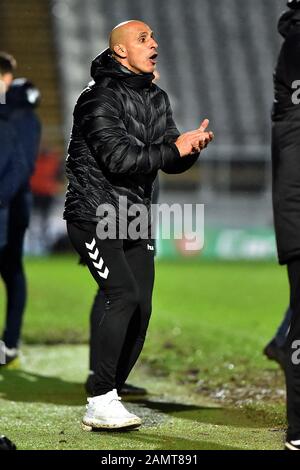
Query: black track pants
(292,348)
(124,271)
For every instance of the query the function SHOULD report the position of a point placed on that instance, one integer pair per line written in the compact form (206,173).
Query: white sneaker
(107,412)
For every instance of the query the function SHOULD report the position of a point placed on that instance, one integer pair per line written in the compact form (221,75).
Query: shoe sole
(289,446)
(95,426)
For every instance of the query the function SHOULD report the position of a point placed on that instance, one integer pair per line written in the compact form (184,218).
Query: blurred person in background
(123,133)
(274,350)
(13,168)
(286,200)
(10,156)
(21,101)
(8,146)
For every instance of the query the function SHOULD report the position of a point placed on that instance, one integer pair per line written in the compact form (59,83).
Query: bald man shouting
(123,133)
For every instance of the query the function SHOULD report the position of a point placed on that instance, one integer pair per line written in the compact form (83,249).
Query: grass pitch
(210,386)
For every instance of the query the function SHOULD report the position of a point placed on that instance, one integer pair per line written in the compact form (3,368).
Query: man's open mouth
(153,58)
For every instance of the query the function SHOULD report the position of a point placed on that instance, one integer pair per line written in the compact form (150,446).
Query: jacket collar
(104,65)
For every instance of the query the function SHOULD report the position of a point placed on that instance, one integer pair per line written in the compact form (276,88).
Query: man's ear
(120,51)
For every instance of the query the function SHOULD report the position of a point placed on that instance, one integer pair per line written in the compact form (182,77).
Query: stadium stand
(36,58)
(216,60)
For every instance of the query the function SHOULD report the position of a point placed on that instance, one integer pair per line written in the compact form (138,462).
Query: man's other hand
(194,141)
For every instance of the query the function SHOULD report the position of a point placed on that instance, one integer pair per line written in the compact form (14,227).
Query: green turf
(42,405)
(203,313)
(210,322)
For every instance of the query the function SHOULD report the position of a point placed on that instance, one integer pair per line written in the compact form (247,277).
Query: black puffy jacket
(123,133)
(287,69)
(286,141)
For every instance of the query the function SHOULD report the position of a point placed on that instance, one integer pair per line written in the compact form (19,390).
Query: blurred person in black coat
(13,166)
(21,100)
(10,153)
(286,200)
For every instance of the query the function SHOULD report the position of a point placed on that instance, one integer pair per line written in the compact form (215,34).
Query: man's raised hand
(194,141)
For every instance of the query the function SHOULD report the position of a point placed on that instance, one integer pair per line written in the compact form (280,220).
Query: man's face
(140,49)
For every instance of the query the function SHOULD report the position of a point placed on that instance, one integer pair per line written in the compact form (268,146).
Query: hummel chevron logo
(94,255)
(91,246)
(104,274)
(99,265)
